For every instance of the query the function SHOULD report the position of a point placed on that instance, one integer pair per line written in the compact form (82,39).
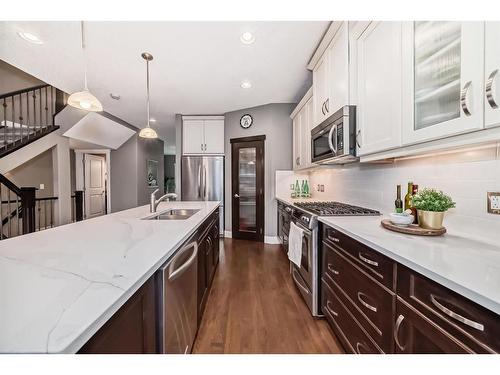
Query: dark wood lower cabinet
(375,304)
(416,334)
(131,330)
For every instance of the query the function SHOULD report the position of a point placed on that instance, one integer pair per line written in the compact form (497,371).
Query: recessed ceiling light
(115,96)
(246,84)
(247,38)
(32,38)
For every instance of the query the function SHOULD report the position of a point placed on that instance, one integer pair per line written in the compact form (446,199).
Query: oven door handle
(330,139)
(299,283)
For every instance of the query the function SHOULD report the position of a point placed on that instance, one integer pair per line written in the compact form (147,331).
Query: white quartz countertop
(463,264)
(59,286)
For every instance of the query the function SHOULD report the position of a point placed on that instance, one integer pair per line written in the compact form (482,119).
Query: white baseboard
(271,240)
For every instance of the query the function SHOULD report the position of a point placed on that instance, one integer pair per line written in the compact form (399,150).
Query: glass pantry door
(443,65)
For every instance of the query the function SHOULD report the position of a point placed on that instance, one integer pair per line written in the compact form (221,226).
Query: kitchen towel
(295,244)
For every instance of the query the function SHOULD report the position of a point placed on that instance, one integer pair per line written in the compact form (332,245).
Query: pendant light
(84,99)
(147,132)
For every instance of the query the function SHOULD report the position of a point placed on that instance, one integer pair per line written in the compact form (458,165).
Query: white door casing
(95,185)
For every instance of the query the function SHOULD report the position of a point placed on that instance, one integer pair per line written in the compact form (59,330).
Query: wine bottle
(399,203)
(408,196)
(413,209)
(297,189)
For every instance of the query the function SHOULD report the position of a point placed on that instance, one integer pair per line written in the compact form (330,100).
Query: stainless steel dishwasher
(177,302)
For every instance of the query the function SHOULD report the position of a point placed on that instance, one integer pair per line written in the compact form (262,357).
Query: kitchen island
(58,287)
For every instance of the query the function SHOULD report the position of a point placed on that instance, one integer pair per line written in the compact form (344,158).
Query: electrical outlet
(292,187)
(494,202)
(322,188)
(42,186)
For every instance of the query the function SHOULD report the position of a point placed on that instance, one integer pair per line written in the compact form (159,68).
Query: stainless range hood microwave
(334,140)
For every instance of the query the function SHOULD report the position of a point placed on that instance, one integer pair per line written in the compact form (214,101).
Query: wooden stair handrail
(10,185)
(23,91)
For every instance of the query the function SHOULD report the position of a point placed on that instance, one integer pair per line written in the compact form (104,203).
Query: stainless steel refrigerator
(202,179)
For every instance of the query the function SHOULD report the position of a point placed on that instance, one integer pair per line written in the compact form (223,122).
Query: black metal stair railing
(27,115)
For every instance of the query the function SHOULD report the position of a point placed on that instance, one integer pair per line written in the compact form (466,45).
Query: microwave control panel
(340,139)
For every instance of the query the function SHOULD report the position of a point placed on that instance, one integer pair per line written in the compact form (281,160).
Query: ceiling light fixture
(84,99)
(29,37)
(246,84)
(247,38)
(147,132)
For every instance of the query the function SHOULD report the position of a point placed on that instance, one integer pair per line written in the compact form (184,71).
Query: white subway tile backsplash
(465,175)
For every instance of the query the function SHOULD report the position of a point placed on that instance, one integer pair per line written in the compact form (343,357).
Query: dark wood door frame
(259,144)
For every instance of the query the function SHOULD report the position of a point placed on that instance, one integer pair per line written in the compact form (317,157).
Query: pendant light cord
(147,85)
(82,32)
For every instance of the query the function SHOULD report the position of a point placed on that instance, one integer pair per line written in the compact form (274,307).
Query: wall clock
(246,121)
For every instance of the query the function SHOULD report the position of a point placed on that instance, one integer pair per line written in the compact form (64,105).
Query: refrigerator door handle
(199,181)
(204,182)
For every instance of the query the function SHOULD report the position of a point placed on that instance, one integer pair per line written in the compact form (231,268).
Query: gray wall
(148,149)
(273,121)
(36,171)
(124,176)
(13,79)
(129,186)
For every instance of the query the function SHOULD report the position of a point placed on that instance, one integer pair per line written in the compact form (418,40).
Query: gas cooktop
(335,209)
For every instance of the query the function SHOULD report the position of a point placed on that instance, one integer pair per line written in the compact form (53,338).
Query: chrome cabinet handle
(327,105)
(368,261)
(358,134)
(359,345)
(489,89)
(334,239)
(330,309)
(399,320)
(331,269)
(367,305)
(463,98)
(323,108)
(456,316)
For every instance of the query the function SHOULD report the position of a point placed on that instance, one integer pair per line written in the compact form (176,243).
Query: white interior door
(95,185)
(492,74)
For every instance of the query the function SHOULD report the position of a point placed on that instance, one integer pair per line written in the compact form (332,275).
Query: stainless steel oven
(334,140)
(306,276)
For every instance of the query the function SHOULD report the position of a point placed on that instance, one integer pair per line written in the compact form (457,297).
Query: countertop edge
(450,284)
(91,330)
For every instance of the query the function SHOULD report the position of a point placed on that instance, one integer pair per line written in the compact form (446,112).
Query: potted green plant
(431,205)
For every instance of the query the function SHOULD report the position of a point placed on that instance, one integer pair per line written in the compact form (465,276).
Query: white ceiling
(197,66)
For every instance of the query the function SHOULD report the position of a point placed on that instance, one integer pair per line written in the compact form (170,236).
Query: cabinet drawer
(472,324)
(371,303)
(347,329)
(375,264)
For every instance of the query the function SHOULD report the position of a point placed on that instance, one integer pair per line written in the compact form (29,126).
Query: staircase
(27,115)
(21,212)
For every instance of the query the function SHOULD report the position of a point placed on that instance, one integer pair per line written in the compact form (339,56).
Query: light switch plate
(494,202)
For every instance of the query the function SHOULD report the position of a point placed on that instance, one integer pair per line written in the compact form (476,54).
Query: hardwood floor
(254,307)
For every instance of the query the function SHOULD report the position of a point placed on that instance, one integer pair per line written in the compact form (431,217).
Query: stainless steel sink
(173,214)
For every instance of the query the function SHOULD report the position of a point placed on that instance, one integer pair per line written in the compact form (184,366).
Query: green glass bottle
(297,189)
(398,202)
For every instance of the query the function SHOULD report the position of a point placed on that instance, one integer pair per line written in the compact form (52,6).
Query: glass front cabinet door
(443,79)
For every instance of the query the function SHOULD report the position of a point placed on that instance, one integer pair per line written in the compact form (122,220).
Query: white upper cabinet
(214,136)
(320,89)
(378,52)
(492,74)
(442,79)
(202,135)
(302,123)
(192,137)
(331,76)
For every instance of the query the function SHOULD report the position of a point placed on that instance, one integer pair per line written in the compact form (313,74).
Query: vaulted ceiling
(197,68)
